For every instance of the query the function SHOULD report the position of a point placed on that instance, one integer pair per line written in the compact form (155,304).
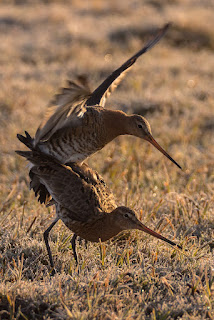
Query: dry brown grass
(133,276)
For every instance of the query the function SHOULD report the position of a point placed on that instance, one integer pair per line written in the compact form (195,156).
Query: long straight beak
(142,227)
(157,146)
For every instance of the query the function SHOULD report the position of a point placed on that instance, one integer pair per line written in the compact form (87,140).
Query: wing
(69,191)
(78,188)
(66,108)
(98,97)
(81,195)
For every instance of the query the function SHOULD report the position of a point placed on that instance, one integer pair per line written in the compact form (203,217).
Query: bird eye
(140,126)
(126,215)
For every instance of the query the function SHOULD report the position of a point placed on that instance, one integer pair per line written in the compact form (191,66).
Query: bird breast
(94,230)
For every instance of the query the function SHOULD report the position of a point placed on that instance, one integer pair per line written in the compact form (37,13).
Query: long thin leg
(73,243)
(46,233)
(86,244)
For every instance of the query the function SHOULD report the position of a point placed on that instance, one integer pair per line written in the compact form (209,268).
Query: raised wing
(65,108)
(98,97)
(68,106)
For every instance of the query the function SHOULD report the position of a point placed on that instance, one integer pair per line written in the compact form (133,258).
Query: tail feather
(37,158)
(24,154)
(28,140)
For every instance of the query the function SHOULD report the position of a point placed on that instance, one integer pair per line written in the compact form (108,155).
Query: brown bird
(77,125)
(83,202)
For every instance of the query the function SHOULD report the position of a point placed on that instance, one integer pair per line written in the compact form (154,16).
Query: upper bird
(77,124)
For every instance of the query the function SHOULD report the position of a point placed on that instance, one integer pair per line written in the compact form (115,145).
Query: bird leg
(46,233)
(73,243)
(86,244)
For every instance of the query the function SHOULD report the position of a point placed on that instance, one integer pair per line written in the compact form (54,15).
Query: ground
(43,43)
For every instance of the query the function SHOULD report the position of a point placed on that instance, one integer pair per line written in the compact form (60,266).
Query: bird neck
(103,228)
(109,227)
(116,124)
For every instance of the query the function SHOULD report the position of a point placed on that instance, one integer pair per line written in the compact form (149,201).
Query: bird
(77,124)
(83,202)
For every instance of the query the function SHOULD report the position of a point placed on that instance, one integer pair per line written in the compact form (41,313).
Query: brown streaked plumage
(83,201)
(77,125)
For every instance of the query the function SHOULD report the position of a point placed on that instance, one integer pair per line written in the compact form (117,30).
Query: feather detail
(98,97)
(65,109)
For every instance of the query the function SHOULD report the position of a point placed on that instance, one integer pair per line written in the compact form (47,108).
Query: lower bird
(83,202)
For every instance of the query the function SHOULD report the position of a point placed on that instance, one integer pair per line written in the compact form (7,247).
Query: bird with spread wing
(77,123)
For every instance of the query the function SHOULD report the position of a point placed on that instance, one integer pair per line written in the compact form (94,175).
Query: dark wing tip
(97,94)
(167,25)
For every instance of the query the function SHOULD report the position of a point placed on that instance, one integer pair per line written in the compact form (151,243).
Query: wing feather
(68,189)
(69,106)
(77,188)
(65,108)
(98,97)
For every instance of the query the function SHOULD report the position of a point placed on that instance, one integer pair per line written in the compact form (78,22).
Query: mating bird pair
(76,126)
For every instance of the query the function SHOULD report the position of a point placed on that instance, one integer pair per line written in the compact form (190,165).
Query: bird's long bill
(142,227)
(157,146)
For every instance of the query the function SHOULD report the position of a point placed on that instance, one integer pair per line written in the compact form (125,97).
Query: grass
(133,276)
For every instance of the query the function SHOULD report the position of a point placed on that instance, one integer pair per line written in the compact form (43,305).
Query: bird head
(140,127)
(125,219)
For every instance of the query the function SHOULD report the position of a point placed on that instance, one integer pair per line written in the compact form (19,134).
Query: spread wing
(99,96)
(66,107)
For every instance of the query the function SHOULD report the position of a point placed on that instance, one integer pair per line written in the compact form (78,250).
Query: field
(134,276)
